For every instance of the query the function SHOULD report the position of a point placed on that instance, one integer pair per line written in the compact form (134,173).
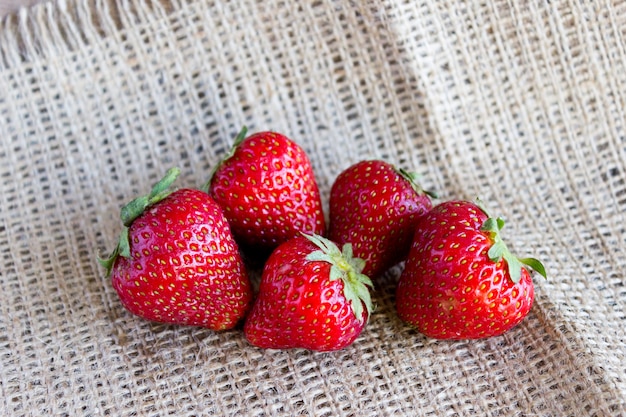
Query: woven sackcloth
(518,103)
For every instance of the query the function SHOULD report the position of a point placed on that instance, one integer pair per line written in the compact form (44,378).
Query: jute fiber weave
(518,103)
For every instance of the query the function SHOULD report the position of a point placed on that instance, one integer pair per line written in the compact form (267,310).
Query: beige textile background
(520,103)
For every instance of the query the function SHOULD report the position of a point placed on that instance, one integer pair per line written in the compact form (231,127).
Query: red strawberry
(177,261)
(460,281)
(375,206)
(312,296)
(267,190)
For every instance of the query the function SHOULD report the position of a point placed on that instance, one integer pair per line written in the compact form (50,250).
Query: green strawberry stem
(346,267)
(240,138)
(134,209)
(412,178)
(499,250)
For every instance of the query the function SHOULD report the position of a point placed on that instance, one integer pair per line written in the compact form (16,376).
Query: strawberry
(312,295)
(375,206)
(177,261)
(267,189)
(460,281)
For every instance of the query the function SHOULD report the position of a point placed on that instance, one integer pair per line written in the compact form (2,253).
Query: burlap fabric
(520,103)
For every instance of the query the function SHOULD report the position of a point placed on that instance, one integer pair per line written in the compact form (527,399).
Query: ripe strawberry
(312,296)
(267,190)
(460,281)
(177,262)
(375,206)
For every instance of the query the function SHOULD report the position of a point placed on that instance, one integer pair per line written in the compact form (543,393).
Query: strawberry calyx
(134,209)
(238,140)
(499,250)
(346,267)
(412,178)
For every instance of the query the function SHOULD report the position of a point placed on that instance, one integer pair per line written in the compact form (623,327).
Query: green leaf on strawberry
(499,250)
(346,268)
(134,209)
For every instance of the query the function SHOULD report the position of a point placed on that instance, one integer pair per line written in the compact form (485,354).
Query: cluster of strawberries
(183,256)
